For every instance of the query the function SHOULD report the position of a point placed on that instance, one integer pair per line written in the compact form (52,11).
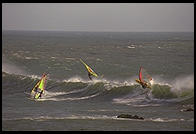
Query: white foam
(108,84)
(41,118)
(70,58)
(34,76)
(183,83)
(75,79)
(132,46)
(52,94)
(30,58)
(67,99)
(146,105)
(164,120)
(158,80)
(12,69)
(96,117)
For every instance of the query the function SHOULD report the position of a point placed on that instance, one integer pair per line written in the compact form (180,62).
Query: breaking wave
(123,92)
(95,117)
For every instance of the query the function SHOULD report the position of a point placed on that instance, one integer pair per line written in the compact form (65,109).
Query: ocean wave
(42,118)
(164,120)
(132,46)
(47,98)
(123,92)
(96,117)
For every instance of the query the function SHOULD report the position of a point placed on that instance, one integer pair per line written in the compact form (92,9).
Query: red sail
(140,74)
(144,76)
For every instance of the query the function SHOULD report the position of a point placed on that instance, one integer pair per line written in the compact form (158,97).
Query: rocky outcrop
(130,116)
(187,110)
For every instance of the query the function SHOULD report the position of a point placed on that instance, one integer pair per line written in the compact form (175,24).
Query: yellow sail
(89,69)
(41,85)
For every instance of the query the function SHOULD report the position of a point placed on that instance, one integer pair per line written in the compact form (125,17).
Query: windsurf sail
(41,84)
(144,76)
(90,70)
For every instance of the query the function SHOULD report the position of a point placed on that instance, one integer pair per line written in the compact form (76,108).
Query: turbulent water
(73,102)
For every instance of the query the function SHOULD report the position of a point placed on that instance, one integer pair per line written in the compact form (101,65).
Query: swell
(76,88)
(95,117)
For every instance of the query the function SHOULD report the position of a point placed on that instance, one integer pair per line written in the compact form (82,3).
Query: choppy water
(73,102)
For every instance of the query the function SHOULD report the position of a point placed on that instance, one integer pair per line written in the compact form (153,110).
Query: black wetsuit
(41,94)
(89,75)
(39,91)
(144,86)
(36,89)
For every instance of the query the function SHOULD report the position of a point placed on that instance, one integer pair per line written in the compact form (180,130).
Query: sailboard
(39,88)
(90,70)
(144,78)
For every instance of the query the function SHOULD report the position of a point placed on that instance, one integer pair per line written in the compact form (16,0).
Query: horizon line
(94,31)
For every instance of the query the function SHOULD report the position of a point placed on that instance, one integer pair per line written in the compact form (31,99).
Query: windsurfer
(89,75)
(41,92)
(144,85)
(39,88)
(90,71)
(141,80)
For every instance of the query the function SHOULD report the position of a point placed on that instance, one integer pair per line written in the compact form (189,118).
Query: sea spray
(184,86)
(12,69)
(183,83)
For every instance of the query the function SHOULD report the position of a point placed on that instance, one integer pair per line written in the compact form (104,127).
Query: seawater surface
(73,102)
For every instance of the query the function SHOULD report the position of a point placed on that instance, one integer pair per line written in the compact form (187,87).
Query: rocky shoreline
(130,116)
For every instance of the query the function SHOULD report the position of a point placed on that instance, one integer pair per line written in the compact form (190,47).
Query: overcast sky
(128,17)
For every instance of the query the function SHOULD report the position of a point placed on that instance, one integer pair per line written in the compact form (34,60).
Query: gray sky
(128,17)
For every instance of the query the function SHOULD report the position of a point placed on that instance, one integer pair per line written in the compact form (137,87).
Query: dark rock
(130,116)
(186,110)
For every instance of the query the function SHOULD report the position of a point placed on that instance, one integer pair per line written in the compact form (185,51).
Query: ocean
(72,102)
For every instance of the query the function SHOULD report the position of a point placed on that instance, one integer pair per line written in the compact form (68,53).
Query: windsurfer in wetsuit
(37,89)
(89,75)
(40,95)
(90,71)
(144,84)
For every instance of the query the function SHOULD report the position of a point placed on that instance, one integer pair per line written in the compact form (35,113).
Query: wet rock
(130,116)
(187,110)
